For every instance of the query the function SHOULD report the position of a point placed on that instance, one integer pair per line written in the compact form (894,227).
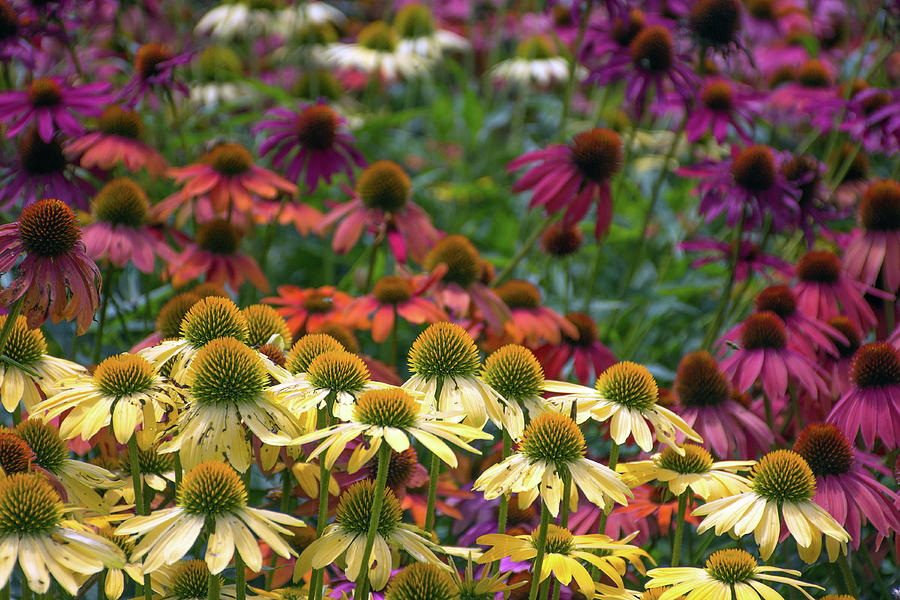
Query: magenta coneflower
(875,249)
(873,119)
(15,36)
(872,406)
(229,177)
(749,187)
(811,96)
(382,205)
(56,279)
(214,255)
(844,487)
(653,63)
(764,356)
(814,202)
(50,105)
(41,170)
(724,105)
(838,367)
(574,177)
(323,145)
(530,321)
(716,24)
(708,405)
(154,69)
(751,258)
(588,355)
(395,296)
(117,141)
(610,38)
(119,232)
(824,290)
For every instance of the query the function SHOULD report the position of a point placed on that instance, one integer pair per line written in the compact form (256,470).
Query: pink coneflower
(302,216)
(573,177)
(394,296)
(769,20)
(708,405)
(588,355)
(814,202)
(15,36)
(214,255)
(812,95)
(381,204)
(873,119)
(844,487)
(610,38)
(749,187)
(716,24)
(41,170)
(228,176)
(116,141)
(724,105)
(653,63)
(154,68)
(56,279)
(529,320)
(461,283)
(50,105)
(824,290)
(764,356)
(308,309)
(119,232)
(875,249)
(838,367)
(751,258)
(872,406)
(323,145)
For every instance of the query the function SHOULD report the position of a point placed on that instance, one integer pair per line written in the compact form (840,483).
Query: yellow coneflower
(114,582)
(35,534)
(157,469)
(188,580)
(308,348)
(486,586)
(125,392)
(692,469)
(79,479)
(782,484)
(551,446)
(626,395)
(228,399)
(347,536)
(728,575)
(211,493)
(445,365)
(562,556)
(30,369)
(210,318)
(263,324)
(421,581)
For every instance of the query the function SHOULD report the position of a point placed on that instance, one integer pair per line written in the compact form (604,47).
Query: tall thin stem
(240,577)
(134,460)
(613,461)
(503,511)
(323,419)
(433,471)
(721,311)
(679,528)
(540,546)
(10,322)
(104,305)
(573,68)
(847,574)
(525,249)
(212,591)
(362,579)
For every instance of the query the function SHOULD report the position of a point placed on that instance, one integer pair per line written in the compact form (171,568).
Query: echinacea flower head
(36,535)
(694,470)
(154,71)
(334,378)
(806,333)
(825,291)
(574,177)
(552,445)
(560,240)
(28,348)
(210,494)
(114,582)
(15,454)
(421,581)
(51,106)
(56,279)
(564,554)
(395,296)
(530,321)
(716,23)
(313,144)
(782,485)
(264,322)
(871,406)
(844,487)
(41,170)
(119,232)
(124,392)
(722,105)
(393,416)
(228,400)
(419,35)
(117,141)
(308,348)
(347,537)
(188,580)
(537,63)
(377,53)
(869,256)
(708,405)
(445,364)
(728,574)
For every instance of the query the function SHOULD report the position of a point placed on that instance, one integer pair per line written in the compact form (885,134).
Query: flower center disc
(212,488)
(124,375)
(25,346)
(628,384)
(44,92)
(624,30)
(413,21)
(308,348)
(825,449)
(783,476)
(597,153)
(124,123)
(213,317)
(763,330)
(778,299)
(38,157)
(444,349)
(122,202)
(814,74)
(48,228)
(587,328)
(338,371)
(718,96)
(263,322)
(699,382)
(384,185)
(15,454)
(355,509)
(461,258)
(191,580)
(514,372)
(172,313)
(392,289)
(849,331)
(695,460)
(819,266)
(731,566)
(378,36)
(716,22)
(28,506)
(560,240)
(754,168)
(227,371)
(875,365)
(879,209)
(148,58)
(536,47)
(390,407)
(516,293)
(422,581)
(230,159)
(219,236)
(559,540)
(553,438)
(317,127)
(400,467)
(44,440)
(652,49)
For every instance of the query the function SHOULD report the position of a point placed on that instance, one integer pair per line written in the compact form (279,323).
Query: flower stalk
(679,528)
(433,472)
(362,579)
(539,558)
(323,420)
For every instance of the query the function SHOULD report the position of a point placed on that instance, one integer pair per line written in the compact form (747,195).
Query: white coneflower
(414,24)
(376,52)
(537,62)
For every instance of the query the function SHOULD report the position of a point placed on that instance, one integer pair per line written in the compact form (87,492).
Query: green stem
(287,481)
(539,557)
(4,593)
(27,594)
(847,574)
(362,578)
(503,511)
(104,305)
(525,249)
(11,319)
(434,470)
(876,573)
(213,587)
(679,528)
(240,577)
(177,468)
(373,259)
(725,298)
(177,121)
(573,67)
(563,520)
(323,419)
(613,461)
(133,458)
